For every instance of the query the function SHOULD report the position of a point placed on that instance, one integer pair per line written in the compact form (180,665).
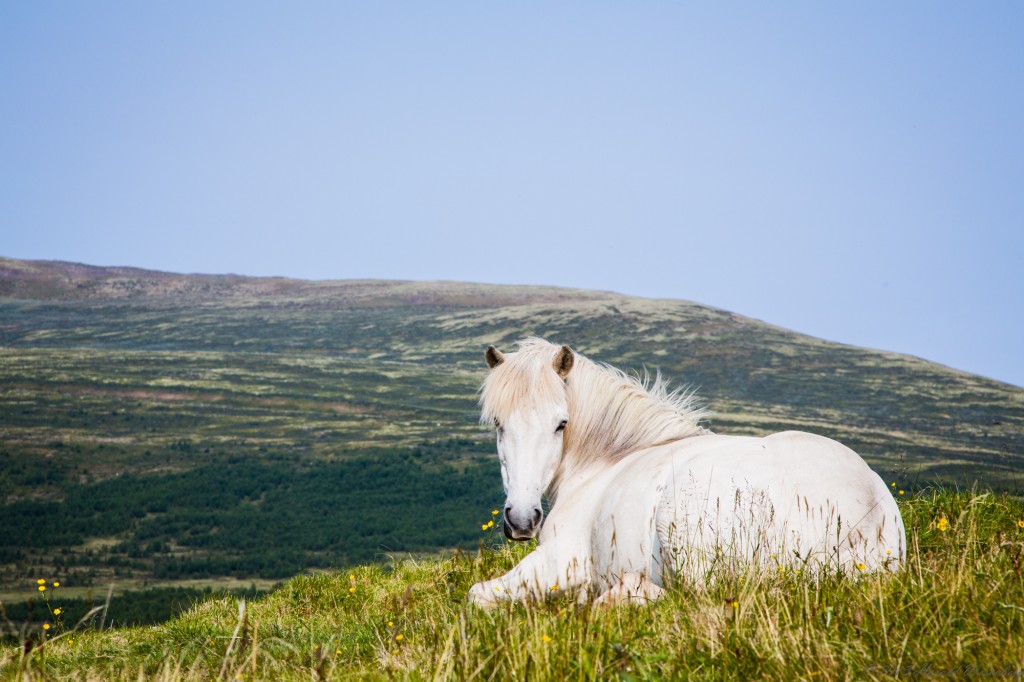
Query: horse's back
(789,499)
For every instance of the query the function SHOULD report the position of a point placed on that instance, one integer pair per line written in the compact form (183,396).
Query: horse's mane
(611,414)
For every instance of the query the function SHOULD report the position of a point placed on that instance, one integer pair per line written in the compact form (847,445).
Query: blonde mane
(611,414)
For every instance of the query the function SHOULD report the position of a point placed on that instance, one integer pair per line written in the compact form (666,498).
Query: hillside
(160,428)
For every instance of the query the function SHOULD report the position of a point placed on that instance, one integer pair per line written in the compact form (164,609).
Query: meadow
(955,611)
(167,438)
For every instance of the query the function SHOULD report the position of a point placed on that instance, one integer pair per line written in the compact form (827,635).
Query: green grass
(956,611)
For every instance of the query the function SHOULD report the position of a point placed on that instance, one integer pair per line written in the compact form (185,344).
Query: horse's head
(525,397)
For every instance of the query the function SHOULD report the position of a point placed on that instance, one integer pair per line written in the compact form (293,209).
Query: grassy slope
(957,611)
(110,372)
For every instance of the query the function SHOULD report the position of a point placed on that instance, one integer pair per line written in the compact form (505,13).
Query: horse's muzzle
(519,528)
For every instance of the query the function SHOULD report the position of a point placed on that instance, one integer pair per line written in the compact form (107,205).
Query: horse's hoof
(480,596)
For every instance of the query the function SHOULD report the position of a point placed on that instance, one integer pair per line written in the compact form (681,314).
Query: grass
(957,610)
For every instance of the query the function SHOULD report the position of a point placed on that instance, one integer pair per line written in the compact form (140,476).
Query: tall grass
(956,611)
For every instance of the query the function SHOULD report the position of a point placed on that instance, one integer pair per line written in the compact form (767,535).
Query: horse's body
(640,493)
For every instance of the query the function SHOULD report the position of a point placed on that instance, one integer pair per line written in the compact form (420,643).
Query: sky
(853,171)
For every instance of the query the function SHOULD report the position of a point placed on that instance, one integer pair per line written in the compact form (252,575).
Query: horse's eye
(561,426)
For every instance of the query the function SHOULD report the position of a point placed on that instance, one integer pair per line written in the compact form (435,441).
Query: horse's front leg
(631,588)
(538,576)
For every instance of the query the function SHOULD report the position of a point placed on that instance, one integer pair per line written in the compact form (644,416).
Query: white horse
(640,492)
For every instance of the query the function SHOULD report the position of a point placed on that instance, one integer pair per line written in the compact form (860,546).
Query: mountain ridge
(55,280)
(65,280)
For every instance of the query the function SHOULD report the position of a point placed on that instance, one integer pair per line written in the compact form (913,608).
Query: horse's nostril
(521,523)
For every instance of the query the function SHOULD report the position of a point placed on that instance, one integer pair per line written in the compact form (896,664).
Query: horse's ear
(563,361)
(494,357)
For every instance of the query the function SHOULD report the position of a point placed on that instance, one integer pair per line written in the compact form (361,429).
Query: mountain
(159,426)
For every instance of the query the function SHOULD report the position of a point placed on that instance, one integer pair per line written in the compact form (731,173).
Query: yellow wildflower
(338,651)
(1020,524)
(483,526)
(351,590)
(901,492)
(41,581)
(494,512)
(546,638)
(942,524)
(351,576)
(554,587)
(46,626)
(893,484)
(490,524)
(497,589)
(56,612)
(391,623)
(399,637)
(56,584)
(42,588)
(861,567)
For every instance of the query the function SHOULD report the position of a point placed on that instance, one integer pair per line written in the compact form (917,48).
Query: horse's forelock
(524,380)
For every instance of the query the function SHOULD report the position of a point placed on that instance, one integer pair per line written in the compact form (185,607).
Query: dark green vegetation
(25,619)
(955,612)
(156,427)
(238,516)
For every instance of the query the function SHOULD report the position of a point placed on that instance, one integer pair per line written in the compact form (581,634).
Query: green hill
(162,429)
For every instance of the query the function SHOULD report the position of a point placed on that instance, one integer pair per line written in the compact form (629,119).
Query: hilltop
(159,428)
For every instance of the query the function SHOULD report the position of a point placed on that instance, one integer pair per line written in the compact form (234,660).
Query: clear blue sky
(854,171)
